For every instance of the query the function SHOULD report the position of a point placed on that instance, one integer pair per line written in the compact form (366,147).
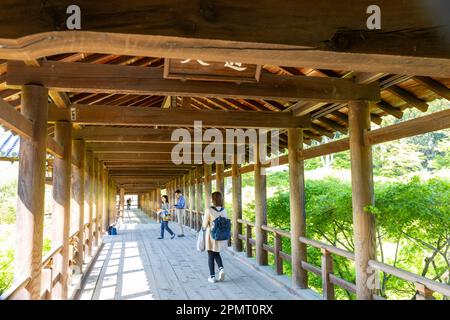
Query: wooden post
(122,202)
(278,246)
(99,217)
(362,196)
(327,269)
(423,293)
(31,192)
(236,186)
(297,207)
(95,207)
(248,245)
(207,183)
(77,206)
(61,206)
(220,181)
(260,209)
(88,200)
(199,198)
(192,197)
(105,188)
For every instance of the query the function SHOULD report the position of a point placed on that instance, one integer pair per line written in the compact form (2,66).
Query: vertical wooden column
(99,201)
(362,195)
(220,181)
(207,184)
(31,192)
(121,202)
(88,200)
(105,184)
(260,209)
(111,202)
(77,206)
(192,197)
(61,207)
(95,208)
(236,187)
(199,197)
(297,207)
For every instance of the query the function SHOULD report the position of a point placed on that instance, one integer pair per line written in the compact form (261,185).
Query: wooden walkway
(136,265)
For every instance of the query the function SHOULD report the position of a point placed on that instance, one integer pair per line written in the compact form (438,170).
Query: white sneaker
(212,279)
(221,275)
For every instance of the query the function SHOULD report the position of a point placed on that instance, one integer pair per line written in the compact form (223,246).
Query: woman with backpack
(165,217)
(212,246)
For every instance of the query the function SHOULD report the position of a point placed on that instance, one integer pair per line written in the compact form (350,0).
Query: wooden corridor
(135,265)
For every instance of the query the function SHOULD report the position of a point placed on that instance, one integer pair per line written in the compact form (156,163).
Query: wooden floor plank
(134,264)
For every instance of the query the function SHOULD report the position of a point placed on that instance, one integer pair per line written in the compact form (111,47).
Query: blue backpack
(222,227)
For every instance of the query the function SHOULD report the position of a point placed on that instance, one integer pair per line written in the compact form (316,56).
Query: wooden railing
(49,278)
(424,286)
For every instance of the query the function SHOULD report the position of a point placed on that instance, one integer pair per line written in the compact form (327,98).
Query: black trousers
(214,256)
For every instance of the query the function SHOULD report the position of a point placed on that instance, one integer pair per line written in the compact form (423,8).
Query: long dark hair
(217,199)
(166,199)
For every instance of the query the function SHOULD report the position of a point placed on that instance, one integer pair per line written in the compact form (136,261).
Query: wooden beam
(108,134)
(405,29)
(386,107)
(102,78)
(13,120)
(409,98)
(434,86)
(433,122)
(31,192)
(140,116)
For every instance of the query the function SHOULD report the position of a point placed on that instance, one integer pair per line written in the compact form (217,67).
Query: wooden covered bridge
(95,110)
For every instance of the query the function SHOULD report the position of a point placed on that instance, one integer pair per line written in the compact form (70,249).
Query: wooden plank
(13,120)
(141,116)
(76,77)
(409,98)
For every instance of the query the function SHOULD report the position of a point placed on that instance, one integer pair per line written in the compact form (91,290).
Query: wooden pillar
(260,209)
(105,185)
(220,181)
(199,198)
(192,197)
(207,184)
(99,217)
(31,192)
(297,207)
(88,200)
(95,209)
(61,207)
(121,202)
(236,187)
(77,206)
(362,195)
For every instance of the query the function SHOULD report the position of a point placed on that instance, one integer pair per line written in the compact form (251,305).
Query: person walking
(179,210)
(214,247)
(165,217)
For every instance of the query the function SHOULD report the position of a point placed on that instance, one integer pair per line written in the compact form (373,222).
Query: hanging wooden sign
(191,69)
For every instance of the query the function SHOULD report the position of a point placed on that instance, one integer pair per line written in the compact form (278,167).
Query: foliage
(8,202)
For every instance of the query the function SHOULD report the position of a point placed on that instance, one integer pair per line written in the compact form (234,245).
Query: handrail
(16,287)
(49,256)
(409,276)
(329,248)
(281,232)
(246,222)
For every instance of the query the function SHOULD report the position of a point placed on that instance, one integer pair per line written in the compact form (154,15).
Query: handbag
(201,240)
